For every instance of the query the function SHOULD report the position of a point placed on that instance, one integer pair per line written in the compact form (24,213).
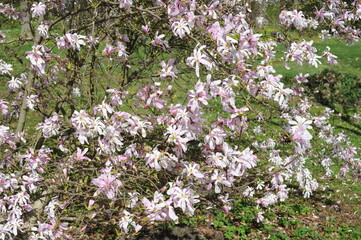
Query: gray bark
(29,85)
(26,31)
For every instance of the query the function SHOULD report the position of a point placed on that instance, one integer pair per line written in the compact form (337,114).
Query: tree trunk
(24,107)
(26,31)
(31,77)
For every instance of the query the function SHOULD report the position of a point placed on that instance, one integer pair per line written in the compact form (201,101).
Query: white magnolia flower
(43,30)
(38,9)
(14,84)
(181,28)
(198,57)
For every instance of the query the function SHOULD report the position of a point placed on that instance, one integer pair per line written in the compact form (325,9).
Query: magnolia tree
(98,128)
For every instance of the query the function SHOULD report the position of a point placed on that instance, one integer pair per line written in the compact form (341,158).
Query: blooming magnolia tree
(98,128)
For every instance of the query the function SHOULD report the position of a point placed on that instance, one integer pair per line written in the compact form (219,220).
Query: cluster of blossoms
(71,41)
(51,229)
(341,16)
(140,155)
(296,19)
(51,126)
(300,134)
(120,49)
(303,52)
(9,11)
(37,58)
(18,189)
(168,70)
(182,17)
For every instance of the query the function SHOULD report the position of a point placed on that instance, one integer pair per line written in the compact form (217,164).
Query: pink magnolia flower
(301,134)
(300,122)
(267,200)
(4,108)
(108,50)
(75,40)
(282,193)
(181,114)
(31,180)
(198,96)
(5,182)
(227,48)
(104,109)
(215,137)
(36,161)
(303,51)
(240,161)
(156,99)
(226,202)
(31,101)
(218,160)
(126,4)
(159,160)
(80,155)
(116,96)
(301,78)
(216,31)
(121,49)
(320,14)
(248,192)
(168,70)
(133,199)
(36,57)
(175,135)
(139,127)
(260,217)
(183,198)
(22,197)
(178,7)
(38,9)
(212,9)
(295,18)
(145,29)
(158,209)
(16,224)
(282,96)
(158,41)
(112,139)
(238,112)
(107,184)
(51,126)
(5,231)
(331,59)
